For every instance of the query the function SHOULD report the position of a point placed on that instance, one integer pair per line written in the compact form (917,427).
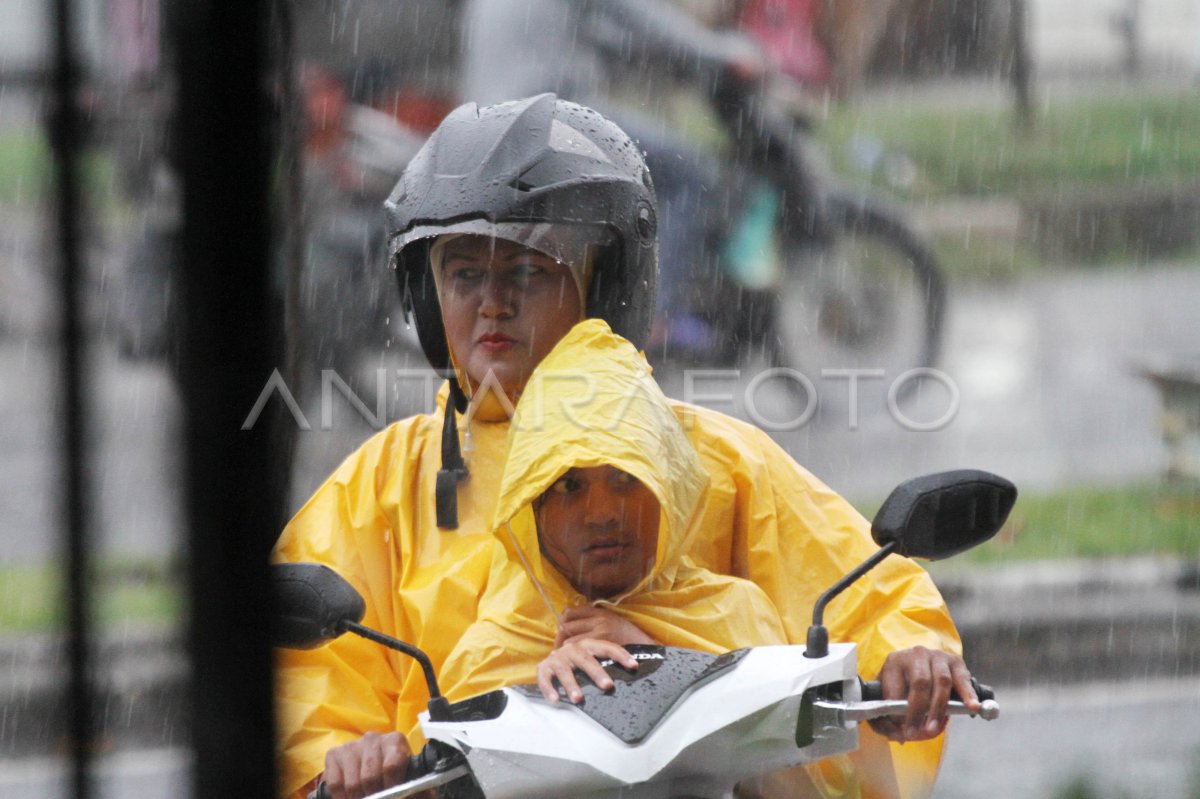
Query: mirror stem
(817,645)
(439,708)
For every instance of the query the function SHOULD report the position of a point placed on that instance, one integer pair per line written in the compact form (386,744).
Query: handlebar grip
(872,691)
(984,692)
(422,763)
(419,765)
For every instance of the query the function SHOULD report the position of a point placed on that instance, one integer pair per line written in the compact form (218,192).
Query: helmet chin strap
(454,468)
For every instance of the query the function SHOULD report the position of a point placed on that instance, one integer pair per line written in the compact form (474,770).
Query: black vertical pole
(235,484)
(65,137)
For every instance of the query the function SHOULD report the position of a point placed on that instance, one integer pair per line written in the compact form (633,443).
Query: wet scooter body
(684,723)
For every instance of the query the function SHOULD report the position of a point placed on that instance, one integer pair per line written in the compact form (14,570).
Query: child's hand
(583,655)
(601,624)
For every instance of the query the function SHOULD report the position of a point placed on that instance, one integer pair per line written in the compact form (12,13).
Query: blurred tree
(940,37)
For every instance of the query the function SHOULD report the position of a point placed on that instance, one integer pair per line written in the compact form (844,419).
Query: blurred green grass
(1113,146)
(26,170)
(31,597)
(1092,522)
(1147,519)
(1116,139)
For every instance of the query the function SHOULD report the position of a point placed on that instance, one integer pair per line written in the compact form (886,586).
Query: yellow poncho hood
(592,402)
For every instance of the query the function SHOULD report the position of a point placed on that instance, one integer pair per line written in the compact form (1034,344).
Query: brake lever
(423,783)
(845,713)
(409,788)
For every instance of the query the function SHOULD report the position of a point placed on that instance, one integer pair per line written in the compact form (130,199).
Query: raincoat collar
(484,407)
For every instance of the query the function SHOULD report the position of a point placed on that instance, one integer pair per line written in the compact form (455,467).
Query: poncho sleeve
(773,522)
(335,693)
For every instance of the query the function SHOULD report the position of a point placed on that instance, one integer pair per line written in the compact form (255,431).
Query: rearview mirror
(313,603)
(931,517)
(940,515)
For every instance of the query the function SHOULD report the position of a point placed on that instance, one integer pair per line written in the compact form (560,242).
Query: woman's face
(599,527)
(504,307)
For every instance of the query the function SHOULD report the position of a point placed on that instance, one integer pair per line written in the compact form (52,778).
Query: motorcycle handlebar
(420,765)
(872,691)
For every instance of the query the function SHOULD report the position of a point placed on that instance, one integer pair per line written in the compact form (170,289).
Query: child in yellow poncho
(598,504)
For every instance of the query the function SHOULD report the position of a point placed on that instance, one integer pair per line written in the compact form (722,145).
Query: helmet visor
(566,242)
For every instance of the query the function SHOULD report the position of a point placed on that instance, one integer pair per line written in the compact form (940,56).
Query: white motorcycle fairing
(751,716)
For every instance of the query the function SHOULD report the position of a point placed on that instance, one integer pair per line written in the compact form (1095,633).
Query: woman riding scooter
(551,214)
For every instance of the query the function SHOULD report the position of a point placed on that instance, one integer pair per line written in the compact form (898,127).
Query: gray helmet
(537,160)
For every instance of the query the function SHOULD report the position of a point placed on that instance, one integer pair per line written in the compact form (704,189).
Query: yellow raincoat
(592,402)
(764,517)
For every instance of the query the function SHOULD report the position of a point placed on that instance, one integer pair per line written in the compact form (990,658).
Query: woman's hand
(366,766)
(601,624)
(584,655)
(925,678)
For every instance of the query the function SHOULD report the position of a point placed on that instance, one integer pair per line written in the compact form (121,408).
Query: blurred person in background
(635,61)
(352,155)
(585,51)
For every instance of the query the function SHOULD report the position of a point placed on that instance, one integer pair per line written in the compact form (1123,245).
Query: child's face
(599,527)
